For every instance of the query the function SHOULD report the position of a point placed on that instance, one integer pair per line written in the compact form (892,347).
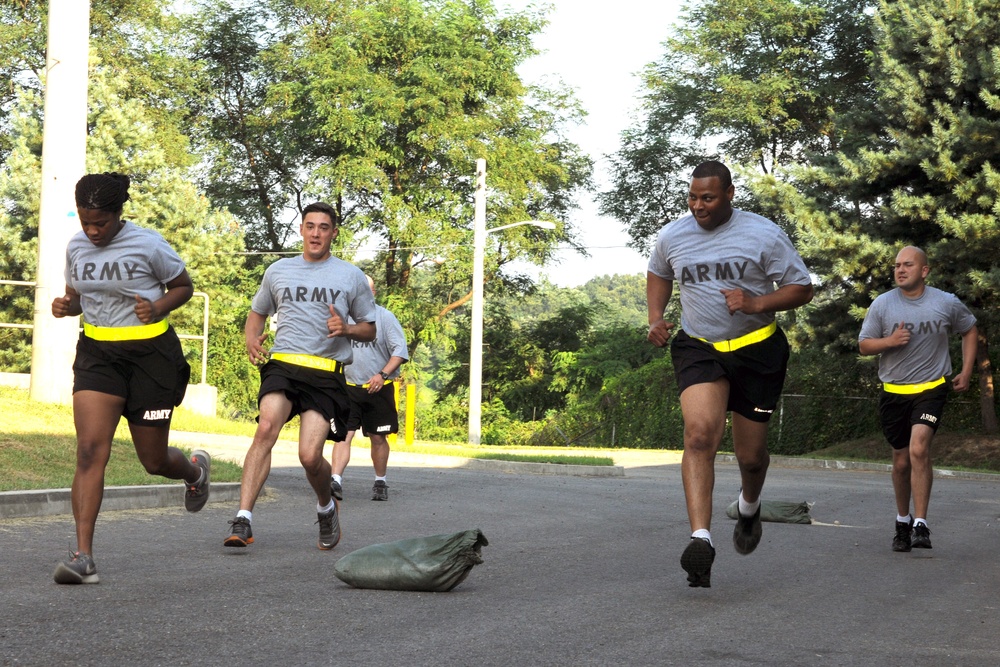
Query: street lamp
(479,253)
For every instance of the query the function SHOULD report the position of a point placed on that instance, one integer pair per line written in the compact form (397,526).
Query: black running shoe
(697,561)
(241,534)
(329,528)
(901,542)
(380,491)
(921,536)
(77,569)
(196,495)
(746,534)
(336,490)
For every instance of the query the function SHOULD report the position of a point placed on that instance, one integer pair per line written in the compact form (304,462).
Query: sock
(703,534)
(324,510)
(246,514)
(904,519)
(748,508)
(918,521)
(338,479)
(201,476)
(379,479)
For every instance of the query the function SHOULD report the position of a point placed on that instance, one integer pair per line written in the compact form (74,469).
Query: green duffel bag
(778,511)
(436,563)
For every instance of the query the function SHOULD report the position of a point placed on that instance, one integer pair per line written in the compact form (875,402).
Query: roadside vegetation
(38,448)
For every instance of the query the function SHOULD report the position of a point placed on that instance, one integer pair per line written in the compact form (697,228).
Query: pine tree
(924,170)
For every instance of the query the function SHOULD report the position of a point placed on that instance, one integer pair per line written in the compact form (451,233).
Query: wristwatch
(385,376)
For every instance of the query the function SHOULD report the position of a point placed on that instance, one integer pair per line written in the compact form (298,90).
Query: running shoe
(746,534)
(921,536)
(901,542)
(196,495)
(329,528)
(380,491)
(336,490)
(697,561)
(77,569)
(241,534)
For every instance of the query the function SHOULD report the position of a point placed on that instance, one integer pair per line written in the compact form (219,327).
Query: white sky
(598,49)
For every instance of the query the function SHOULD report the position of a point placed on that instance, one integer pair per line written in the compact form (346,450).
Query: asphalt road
(579,571)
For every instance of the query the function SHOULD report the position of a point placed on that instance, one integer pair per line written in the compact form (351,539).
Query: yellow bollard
(411,410)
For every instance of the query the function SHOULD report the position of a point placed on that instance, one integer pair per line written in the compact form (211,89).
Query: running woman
(124,280)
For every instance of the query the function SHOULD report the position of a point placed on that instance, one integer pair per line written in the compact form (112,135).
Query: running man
(370,380)
(313,297)
(729,355)
(908,327)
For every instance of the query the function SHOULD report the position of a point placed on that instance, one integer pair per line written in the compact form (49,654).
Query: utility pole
(64,157)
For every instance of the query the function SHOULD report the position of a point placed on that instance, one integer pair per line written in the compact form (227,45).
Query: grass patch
(547,458)
(38,449)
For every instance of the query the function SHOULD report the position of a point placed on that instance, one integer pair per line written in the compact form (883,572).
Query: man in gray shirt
(371,386)
(321,303)
(908,328)
(729,356)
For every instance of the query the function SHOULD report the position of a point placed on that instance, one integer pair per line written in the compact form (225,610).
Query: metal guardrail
(203,337)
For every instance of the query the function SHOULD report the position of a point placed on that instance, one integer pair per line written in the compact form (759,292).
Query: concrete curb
(52,502)
(828,464)
(531,467)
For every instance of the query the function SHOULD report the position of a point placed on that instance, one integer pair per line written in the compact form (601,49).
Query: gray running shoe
(921,536)
(697,561)
(380,491)
(329,528)
(336,490)
(196,495)
(77,569)
(241,534)
(901,542)
(746,534)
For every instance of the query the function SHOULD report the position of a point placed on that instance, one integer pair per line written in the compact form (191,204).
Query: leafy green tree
(759,83)
(396,99)
(122,138)
(922,172)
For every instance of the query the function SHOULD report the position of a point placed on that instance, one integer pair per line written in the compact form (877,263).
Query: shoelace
(239,526)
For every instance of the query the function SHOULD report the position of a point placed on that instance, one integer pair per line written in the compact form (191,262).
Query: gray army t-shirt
(931,318)
(300,294)
(137,261)
(748,252)
(369,358)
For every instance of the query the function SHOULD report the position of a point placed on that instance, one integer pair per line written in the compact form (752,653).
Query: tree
(759,83)
(397,100)
(924,172)
(121,138)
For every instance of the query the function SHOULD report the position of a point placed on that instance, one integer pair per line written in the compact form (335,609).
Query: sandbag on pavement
(778,511)
(436,563)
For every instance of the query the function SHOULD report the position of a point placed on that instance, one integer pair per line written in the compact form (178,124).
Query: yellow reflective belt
(367,384)
(309,361)
(912,388)
(744,340)
(140,332)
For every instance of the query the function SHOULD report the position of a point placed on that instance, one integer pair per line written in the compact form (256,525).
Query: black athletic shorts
(899,412)
(756,372)
(309,389)
(150,374)
(374,413)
